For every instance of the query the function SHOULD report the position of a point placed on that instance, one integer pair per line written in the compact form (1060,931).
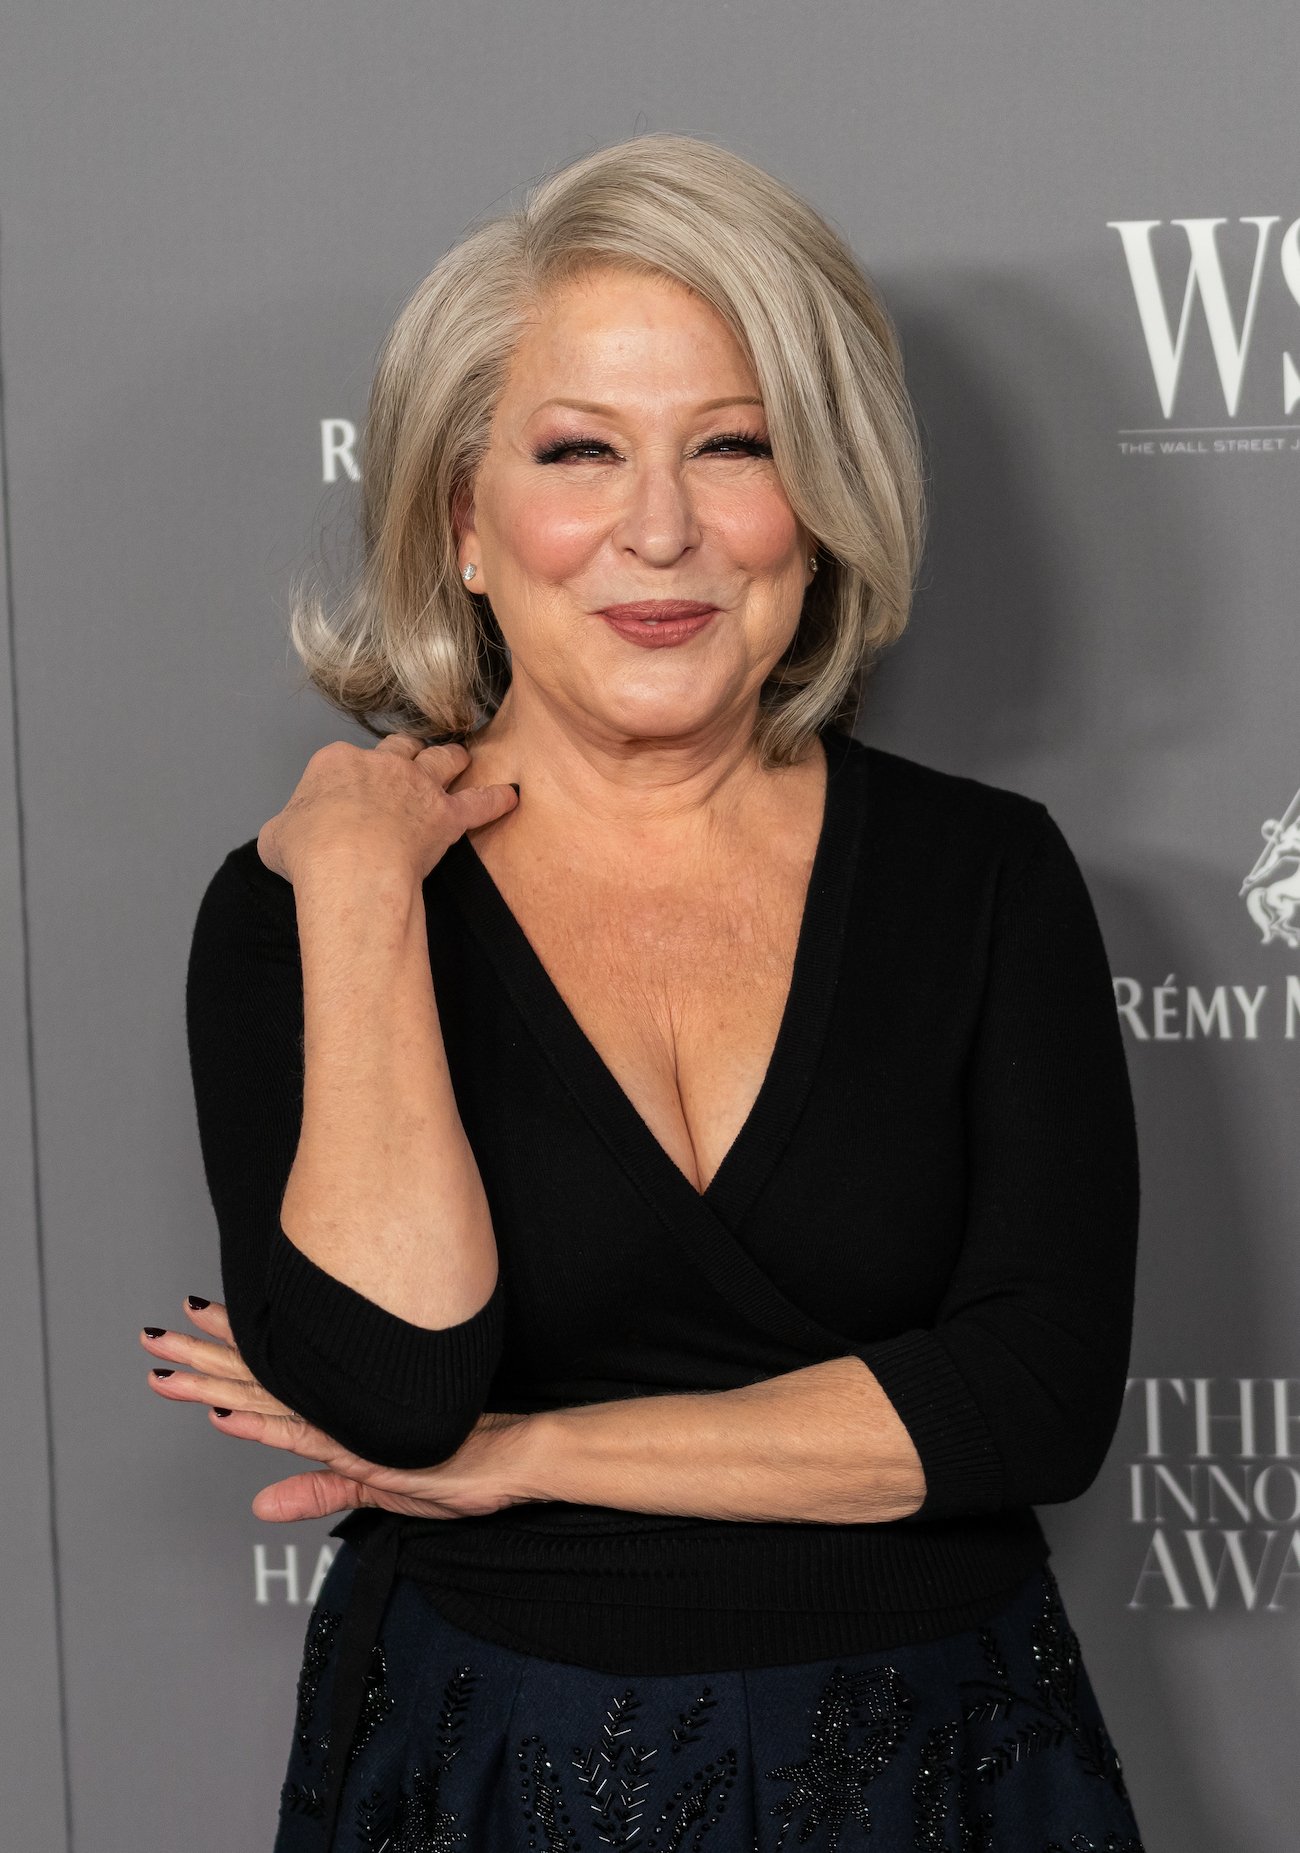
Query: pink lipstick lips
(655,623)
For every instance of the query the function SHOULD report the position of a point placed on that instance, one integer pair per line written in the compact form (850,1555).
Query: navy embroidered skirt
(985,1741)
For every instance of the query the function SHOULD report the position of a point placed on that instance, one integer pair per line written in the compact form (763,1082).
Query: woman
(690,1242)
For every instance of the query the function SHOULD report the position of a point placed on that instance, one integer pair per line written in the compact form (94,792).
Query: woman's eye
(553,452)
(752,446)
(594,447)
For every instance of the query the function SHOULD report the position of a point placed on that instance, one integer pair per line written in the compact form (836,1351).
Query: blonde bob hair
(410,648)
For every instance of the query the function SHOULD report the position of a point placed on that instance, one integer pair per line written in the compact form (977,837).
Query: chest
(680,986)
(580,1033)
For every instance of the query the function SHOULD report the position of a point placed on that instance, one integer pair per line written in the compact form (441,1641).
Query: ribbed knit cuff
(963,1472)
(432,1368)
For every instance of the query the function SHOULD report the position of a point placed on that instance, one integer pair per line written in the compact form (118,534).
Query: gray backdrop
(1084,222)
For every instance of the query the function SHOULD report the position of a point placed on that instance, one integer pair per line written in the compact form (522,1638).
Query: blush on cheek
(752,521)
(551,544)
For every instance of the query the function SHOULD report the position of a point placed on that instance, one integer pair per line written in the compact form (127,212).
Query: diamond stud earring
(469,571)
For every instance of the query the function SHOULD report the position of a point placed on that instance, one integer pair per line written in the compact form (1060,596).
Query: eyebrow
(611,411)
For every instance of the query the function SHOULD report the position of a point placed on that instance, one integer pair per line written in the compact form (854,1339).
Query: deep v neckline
(800,1034)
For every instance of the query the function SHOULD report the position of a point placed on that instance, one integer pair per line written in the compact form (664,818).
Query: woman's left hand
(481,1476)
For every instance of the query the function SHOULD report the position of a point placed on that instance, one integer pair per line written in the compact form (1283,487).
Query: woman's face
(668,491)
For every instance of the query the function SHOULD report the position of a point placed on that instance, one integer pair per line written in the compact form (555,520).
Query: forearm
(384,1192)
(820,1445)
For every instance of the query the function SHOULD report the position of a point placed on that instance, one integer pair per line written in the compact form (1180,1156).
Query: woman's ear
(462,526)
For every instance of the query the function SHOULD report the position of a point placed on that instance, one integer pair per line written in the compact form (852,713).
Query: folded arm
(314,1316)
(821,1445)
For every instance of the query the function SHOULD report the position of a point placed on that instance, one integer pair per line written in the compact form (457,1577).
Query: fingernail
(155,1331)
(196,1303)
(221,1412)
(163,1373)
(514,788)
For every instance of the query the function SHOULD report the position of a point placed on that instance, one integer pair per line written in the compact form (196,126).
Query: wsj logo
(1231,330)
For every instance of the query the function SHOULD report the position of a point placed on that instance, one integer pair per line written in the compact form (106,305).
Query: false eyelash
(757,446)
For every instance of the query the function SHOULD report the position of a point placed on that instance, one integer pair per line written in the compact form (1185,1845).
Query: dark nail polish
(514,788)
(221,1412)
(196,1303)
(163,1373)
(155,1331)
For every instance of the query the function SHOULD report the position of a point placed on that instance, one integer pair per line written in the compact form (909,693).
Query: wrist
(536,1447)
(345,888)
(352,865)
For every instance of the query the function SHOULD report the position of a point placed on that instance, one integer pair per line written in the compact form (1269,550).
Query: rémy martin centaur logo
(1266,1009)
(1230,278)
(1272,887)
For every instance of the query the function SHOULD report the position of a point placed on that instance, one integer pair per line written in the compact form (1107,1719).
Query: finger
(309,1495)
(209,1355)
(479,804)
(408,745)
(211,1316)
(454,754)
(397,1488)
(220,1388)
(292,1435)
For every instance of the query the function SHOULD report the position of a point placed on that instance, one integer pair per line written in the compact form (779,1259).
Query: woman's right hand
(387,802)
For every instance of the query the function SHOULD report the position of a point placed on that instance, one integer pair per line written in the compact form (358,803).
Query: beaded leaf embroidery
(830,1780)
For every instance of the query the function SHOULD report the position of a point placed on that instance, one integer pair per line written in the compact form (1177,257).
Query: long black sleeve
(1014,1395)
(399,1394)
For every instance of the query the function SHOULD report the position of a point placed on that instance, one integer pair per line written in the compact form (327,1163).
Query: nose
(659,520)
